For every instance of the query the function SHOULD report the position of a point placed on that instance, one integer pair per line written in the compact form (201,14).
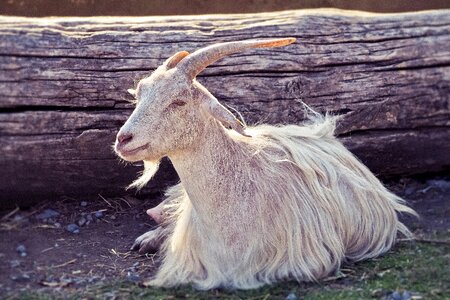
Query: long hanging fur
(312,205)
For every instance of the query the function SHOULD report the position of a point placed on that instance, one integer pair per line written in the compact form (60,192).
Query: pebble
(406,295)
(396,296)
(73,228)
(82,221)
(21,277)
(47,214)
(14,263)
(18,218)
(441,184)
(133,277)
(89,218)
(83,203)
(22,250)
(291,296)
(409,191)
(377,293)
(99,214)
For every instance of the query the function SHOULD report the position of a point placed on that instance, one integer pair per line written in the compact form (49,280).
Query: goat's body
(289,202)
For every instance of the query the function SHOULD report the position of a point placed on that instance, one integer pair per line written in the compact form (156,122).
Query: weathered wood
(63,88)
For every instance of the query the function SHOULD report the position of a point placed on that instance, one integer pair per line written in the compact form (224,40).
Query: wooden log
(63,85)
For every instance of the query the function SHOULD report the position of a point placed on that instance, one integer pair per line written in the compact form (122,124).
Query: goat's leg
(157,213)
(150,241)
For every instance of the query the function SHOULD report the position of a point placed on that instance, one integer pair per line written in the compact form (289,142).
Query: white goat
(255,205)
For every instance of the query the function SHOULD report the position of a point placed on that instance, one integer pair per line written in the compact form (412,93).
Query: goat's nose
(124,138)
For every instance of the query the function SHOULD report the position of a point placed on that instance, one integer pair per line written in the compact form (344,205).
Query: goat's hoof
(149,242)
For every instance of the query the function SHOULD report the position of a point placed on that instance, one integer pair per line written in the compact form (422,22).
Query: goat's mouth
(130,152)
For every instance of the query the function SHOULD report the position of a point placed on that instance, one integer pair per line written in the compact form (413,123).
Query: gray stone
(82,221)
(22,250)
(406,295)
(73,228)
(99,214)
(47,214)
(21,277)
(291,296)
(396,296)
(409,191)
(15,263)
(83,203)
(133,277)
(441,184)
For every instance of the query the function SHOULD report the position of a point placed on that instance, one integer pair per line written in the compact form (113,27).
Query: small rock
(22,250)
(82,221)
(133,277)
(99,214)
(409,191)
(89,218)
(57,225)
(406,295)
(377,293)
(14,263)
(396,296)
(291,296)
(113,217)
(47,214)
(18,218)
(83,203)
(93,279)
(73,228)
(21,277)
(441,184)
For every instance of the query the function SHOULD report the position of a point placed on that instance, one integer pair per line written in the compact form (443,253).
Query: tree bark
(63,85)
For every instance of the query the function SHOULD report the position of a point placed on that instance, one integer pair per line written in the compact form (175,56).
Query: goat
(254,205)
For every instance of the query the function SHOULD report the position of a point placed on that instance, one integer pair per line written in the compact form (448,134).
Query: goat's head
(172,106)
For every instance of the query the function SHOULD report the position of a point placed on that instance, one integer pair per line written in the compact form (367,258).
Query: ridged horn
(196,62)
(172,61)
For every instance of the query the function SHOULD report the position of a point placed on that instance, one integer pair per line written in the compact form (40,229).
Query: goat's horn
(172,61)
(194,63)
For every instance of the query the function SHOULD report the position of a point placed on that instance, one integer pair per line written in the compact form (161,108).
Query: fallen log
(63,85)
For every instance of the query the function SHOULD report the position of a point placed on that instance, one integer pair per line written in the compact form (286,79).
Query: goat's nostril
(124,138)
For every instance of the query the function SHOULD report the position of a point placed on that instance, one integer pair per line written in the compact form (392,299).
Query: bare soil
(57,258)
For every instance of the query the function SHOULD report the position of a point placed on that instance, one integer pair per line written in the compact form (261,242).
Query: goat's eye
(177,103)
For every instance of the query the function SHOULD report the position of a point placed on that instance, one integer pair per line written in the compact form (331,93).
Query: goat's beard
(150,168)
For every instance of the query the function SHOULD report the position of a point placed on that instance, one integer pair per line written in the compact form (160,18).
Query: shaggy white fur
(289,202)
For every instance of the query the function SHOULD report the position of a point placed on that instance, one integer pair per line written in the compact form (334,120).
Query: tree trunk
(63,85)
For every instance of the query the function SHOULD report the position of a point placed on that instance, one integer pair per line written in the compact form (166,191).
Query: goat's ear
(222,114)
(132,92)
(172,61)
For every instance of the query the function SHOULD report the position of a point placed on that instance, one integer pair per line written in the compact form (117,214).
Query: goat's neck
(211,171)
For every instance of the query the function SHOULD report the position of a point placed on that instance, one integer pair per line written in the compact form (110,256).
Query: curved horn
(200,59)
(172,61)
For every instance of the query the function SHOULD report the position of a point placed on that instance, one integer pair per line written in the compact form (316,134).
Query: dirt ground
(38,253)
